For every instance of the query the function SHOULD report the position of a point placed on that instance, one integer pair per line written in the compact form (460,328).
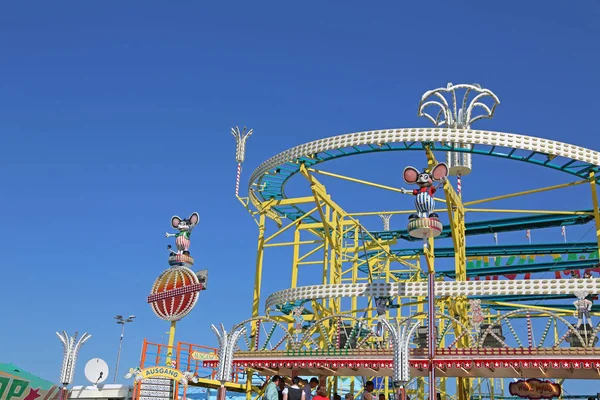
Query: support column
(259,266)
(221,393)
(256,299)
(171,343)
(595,205)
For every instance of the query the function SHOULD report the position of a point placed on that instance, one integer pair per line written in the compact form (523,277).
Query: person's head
(381,396)
(282,383)
(322,392)
(314,382)
(369,386)
(276,379)
(349,396)
(296,380)
(337,397)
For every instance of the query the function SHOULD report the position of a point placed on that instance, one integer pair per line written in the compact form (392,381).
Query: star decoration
(33,394)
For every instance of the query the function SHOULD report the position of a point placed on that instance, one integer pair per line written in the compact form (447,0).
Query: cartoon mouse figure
(185,226)
(424,202)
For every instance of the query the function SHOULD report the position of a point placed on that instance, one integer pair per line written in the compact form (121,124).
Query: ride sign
(534,389)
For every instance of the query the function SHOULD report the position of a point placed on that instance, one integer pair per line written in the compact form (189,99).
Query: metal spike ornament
(385,218)
(227,344)
(71,348)
(401,338)
(455,116)
(240,152)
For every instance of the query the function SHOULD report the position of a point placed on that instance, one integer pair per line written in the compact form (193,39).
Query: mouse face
(185,224)
(425,179)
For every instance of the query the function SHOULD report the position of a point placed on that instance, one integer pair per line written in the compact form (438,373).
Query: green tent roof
(34,381)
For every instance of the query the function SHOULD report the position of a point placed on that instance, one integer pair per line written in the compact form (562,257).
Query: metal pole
(119,353)
(432,394)
(221,393)
(431,323)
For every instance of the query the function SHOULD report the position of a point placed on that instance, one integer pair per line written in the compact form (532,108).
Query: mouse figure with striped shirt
(184,226)
(424,202)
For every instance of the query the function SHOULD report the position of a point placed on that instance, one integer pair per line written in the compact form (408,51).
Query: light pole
(121,321)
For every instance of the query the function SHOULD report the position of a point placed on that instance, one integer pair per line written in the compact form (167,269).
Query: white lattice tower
(401,339)
(458,116)
(71,348)
(385,218)
(227,343)
(240,151)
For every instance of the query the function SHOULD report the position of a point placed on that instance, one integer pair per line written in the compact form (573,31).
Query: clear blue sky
(114,116)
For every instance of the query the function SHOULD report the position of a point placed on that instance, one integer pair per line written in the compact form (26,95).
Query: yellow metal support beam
(293,201)
(294,243)
(373,213)
(259,266)
(566,311)
(552,212)
(456,216)
(320,194)
(256,294)
(524,193)
(363,182)
(288,226)
(265,208)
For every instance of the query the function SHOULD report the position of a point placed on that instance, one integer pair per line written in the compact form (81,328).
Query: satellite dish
(96,371)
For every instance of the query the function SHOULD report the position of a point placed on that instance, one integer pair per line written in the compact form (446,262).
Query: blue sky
(116,116)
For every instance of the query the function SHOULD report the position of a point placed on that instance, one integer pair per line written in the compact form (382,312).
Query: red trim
(555,363)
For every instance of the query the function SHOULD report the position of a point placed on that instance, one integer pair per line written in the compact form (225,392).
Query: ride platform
(554,363)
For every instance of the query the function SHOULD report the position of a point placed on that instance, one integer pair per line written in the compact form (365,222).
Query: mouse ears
(175,221)
(194,219)
(410,175)
(439,172)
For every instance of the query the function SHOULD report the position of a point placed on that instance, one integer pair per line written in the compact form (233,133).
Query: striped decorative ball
(175,293)
(178,259)
(425,228)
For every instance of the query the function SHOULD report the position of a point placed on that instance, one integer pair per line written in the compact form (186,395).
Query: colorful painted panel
(17,384)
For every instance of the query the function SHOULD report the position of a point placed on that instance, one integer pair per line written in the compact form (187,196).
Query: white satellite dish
(96,371)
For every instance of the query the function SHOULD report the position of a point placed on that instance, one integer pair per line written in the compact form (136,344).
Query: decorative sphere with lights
(175,293)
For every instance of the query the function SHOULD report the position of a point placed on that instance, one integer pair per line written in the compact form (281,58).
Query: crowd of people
(301,389)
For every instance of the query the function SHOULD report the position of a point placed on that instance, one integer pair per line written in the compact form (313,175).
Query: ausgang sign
(534,389)
(197,355)
(162,372)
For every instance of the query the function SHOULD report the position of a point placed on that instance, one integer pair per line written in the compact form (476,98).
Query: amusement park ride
(379,307)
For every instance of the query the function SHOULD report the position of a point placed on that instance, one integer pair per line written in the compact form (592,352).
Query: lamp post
(121,321)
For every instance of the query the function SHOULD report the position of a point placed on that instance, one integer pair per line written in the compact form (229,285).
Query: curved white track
(407,135)
(419,289)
